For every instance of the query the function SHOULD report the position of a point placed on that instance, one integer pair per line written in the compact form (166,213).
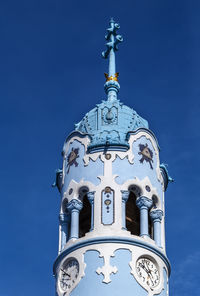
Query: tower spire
(112,86)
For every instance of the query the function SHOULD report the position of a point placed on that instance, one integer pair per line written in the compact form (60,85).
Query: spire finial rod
(112,39)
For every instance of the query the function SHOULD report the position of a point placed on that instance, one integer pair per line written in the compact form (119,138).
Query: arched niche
(85,213)
(132,211)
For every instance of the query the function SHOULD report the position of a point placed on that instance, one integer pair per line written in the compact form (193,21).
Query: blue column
(144,204)
(74,206)
(90,196)
(64,223)
(156,217)
(125,196)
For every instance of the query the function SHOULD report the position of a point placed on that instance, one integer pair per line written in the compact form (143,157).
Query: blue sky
(51,74)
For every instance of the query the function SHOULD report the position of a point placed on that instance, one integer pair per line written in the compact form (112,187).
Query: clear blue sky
(51,74)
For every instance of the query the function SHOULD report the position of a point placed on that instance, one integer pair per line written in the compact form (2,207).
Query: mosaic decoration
(146,153)
(107,156)
(107,206)
(71,158)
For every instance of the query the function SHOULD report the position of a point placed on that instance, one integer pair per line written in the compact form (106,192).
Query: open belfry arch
(112,213)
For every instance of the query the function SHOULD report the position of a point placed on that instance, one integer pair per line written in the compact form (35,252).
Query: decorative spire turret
(112,86)
(112,212)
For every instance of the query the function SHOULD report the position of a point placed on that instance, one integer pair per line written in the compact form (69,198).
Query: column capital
(90,196)
(156,215)
(144,202)
(125,195)
(63,218)
(74,204)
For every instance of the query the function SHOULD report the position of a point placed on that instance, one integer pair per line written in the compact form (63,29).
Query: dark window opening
(132,215)
(85,217)
(150,227)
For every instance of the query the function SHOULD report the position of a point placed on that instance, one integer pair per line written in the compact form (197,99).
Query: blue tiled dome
(109,123)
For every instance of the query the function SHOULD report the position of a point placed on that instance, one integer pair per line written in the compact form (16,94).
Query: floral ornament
(146,153)
(71,158)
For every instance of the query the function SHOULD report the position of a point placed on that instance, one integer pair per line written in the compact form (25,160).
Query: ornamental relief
(145,267)
(145,153)
(72,158)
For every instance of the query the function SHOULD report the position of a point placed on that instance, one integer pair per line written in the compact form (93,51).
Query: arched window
(85,217)
(132,215)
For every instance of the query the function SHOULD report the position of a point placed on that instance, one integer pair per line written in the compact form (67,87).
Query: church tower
(112,214)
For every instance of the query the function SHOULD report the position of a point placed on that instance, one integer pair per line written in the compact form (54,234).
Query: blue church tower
(112,214)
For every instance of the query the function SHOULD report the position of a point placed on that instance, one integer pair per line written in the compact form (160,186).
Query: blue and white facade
(112,214)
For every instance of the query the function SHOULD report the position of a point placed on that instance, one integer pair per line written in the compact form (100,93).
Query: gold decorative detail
(115,78)
(108,156)
(107,190)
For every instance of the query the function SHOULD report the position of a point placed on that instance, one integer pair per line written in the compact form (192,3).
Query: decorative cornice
(144,202)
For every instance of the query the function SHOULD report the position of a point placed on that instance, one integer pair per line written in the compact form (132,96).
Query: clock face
(148,272)
(68,274)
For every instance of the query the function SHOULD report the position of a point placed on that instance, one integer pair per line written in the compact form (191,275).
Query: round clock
(68,274)
(147,272)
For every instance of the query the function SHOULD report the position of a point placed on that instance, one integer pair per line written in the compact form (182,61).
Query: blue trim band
(109,147)
(101,240)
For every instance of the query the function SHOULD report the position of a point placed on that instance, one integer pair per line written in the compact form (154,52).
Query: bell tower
(112,213)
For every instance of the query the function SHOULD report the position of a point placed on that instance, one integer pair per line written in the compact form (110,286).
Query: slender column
(156,217)
(64,224)
(125,196)
(144,204)
(74,206)
(90,196)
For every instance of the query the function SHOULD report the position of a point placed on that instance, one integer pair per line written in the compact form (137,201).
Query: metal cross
(112,40)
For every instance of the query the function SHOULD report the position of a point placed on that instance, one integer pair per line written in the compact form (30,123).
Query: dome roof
(109,123)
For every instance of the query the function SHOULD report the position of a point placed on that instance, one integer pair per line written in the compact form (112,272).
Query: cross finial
(112,39)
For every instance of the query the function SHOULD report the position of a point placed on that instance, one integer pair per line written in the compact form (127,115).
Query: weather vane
(112,45)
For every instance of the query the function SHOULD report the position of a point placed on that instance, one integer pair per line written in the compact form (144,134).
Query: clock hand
(66,273)
(148,272)
(143,266)
(148,269)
